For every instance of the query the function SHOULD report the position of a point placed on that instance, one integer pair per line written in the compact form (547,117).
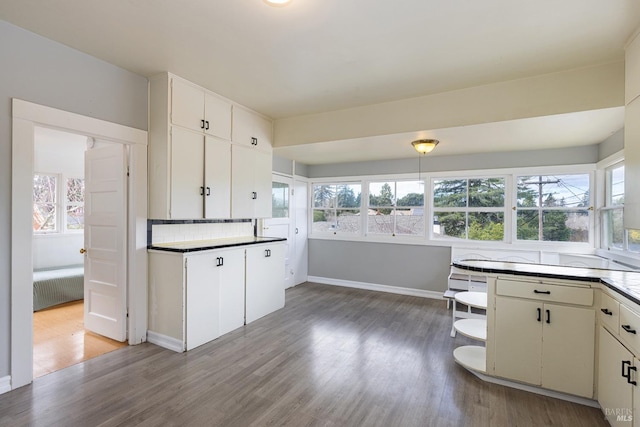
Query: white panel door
(280,224)
(217,178)
(105,273)
(301,251)
(187,174)
(242,173)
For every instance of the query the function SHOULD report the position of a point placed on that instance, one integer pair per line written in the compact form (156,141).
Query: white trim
(378,288)
(165,341)
(25,117)
(5,384)
(537,390)
(611,160)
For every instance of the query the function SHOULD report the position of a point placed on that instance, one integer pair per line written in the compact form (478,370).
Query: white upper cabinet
(194,108)
(186,177)
(632,71)
(251,130)
(250,183)
(632,135)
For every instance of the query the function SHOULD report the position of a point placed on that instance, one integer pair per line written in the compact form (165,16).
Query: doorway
(26,117)
(61,336)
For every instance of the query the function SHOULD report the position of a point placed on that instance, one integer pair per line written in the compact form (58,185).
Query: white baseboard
(537,390)
(164,341)
(375,287)
(5,384)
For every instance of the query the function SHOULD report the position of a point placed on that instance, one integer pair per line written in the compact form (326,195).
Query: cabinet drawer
(545,292)
(609,313)
(630,328)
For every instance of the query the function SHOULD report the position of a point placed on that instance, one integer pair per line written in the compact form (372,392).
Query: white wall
(39,70)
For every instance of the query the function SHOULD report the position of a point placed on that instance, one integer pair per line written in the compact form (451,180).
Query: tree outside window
(469,208)
(336,208)
(45,198)
(553,208)
(48,216)
(396,208)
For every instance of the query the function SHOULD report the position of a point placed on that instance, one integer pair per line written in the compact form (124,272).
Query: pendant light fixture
(277,3)
(423,146)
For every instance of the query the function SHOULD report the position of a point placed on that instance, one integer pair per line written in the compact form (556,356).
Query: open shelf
(472,328)
(471,357)
(472,299)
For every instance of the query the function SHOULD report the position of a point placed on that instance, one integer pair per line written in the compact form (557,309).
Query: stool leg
(453,320)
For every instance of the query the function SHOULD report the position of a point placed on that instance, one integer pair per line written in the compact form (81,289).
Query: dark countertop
(626,283)
(205,245)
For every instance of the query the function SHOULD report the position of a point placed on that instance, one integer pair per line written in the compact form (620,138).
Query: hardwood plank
(332,357)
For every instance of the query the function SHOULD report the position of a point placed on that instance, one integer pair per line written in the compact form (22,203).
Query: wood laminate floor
(332,357)
(60,340)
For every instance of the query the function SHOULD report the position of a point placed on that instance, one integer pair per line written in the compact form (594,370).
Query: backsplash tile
(161,231)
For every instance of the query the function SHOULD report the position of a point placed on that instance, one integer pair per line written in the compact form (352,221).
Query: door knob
(83,250)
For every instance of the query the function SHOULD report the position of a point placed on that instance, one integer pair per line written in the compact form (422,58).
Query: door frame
(289,221)
(25,117)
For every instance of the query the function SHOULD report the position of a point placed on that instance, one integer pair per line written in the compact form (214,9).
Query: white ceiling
(323,55)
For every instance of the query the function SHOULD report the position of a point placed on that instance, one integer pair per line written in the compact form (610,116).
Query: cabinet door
(518,339)
(632,165)
(187,105)
(632,71)
(187,174)
(262,176)
(264,280)
(217,178)
(568,349)
(202,322)
(250,129)
(217,116)
(231,306)
(242,179)
(614,391)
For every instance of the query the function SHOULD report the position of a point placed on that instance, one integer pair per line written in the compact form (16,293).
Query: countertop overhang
(626,283)
(205,245)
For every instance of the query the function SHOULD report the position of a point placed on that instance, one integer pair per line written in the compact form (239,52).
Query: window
(469,208)
(396,208)
(553,208)
(280,200)
(336,208)
(48,216)
(45,197)
(613,234)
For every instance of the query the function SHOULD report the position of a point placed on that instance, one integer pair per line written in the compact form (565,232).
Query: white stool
(471,300)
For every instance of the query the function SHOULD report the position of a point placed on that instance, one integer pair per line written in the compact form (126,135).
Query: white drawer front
(609,313)
(630,328)
(545,292)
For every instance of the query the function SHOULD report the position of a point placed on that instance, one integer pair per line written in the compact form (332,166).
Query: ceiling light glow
(277,3)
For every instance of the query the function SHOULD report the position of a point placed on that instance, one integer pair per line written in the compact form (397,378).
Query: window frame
(394,207)
(312,208)
(608,207)
(60,205)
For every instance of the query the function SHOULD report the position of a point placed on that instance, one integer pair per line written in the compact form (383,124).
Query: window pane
(449,224)
(348,220)
(634,240)
(382,194)
(486,225)
(486,193)
(323,220)
(617,186)
(324,196)
(379,222)
(75,190)
(612,229)
(75,217)
(450,193)
(410,221)
(554,190)
(44,217)
(409,193)
(348,195)
(528,226)
(565,226)
(280,200)
(44,188)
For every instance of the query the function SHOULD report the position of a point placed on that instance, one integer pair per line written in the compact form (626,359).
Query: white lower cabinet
(196,297)
(264,281)
(545,344)
(617,381)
